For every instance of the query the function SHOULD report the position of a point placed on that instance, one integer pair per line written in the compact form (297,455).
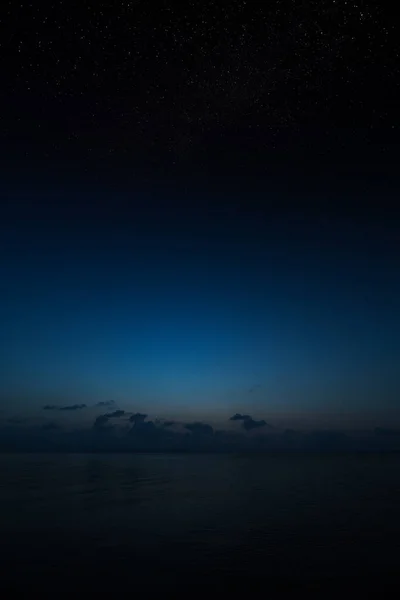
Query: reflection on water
(295,514)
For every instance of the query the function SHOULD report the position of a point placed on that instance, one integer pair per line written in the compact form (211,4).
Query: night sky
(199,216)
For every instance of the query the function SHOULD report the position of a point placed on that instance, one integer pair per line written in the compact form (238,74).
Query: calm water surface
(306,516)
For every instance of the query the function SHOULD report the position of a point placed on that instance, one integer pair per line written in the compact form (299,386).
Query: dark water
(178,522)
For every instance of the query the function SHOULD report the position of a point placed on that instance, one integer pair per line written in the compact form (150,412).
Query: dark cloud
(291,433)
(239,417)
(106,403)
(116,414)
(111,433)
(144,426)
(146,436)
(101,422)
(68,407)
(199,428)
(144,431)
(137,418)
(254,388)
(248,422)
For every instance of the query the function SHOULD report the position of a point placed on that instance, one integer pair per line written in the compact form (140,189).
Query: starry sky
(199,212)
(159,86)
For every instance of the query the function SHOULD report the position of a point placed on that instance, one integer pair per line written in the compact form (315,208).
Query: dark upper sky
(200,201)
(172,86)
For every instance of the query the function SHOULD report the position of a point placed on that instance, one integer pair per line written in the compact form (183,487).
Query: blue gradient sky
(181,311)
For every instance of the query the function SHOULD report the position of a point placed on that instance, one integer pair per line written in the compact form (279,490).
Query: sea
(199,524)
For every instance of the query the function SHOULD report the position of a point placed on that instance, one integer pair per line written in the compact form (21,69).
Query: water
(139,517)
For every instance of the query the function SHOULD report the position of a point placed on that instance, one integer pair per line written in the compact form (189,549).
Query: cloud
(68,407)
(199,428)
(249,424)
(141,435)
(144,432)
(119,431)
(239,417)
(144,426)
(137,418)
(116,414)
(101,422)
(106,403)
(254,388)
